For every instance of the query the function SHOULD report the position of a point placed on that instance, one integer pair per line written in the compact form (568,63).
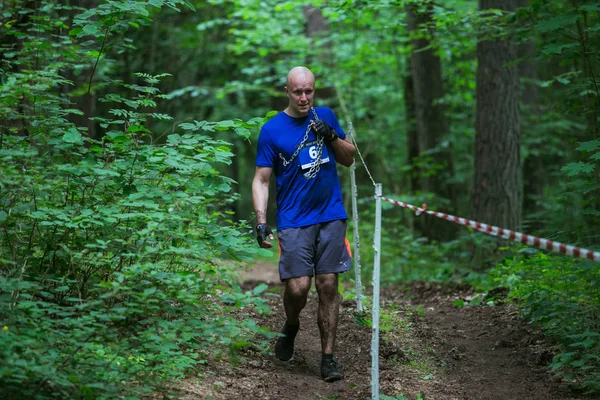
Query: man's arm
(344,151)
(260,197)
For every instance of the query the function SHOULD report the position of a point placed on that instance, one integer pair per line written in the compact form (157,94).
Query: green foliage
(110,246)
(404,256)
(586,184)
(117,254)
(561,295)
(567,37)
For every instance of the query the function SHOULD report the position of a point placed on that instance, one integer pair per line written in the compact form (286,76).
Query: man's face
(300,91)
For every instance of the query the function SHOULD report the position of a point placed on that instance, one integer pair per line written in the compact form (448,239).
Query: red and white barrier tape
(505,233)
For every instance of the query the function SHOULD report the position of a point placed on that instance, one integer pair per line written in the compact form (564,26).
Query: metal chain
(300,146)
(316,167)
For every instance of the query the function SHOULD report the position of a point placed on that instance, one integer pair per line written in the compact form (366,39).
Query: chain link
(316,166)
(300,146)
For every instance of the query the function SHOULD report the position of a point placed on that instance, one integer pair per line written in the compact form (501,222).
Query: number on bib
(308,156)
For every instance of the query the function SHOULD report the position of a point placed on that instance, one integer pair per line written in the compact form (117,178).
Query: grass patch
(398,346)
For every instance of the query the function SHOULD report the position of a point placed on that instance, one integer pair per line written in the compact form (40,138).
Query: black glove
(262,232)
(328,133)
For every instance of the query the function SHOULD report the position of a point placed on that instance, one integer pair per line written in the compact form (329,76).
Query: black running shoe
(329,370)
(284,348)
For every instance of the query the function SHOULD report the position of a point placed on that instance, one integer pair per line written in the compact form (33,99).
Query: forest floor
(429,349)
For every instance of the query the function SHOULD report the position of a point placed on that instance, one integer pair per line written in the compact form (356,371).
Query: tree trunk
(318,28)
(432,126)
(411,128)
(533,169)
(497,182)
(411,135)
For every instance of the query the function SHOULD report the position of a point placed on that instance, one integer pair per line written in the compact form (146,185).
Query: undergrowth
(562,296)
(117,249)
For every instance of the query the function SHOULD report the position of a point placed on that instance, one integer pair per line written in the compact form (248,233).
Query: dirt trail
(437,352)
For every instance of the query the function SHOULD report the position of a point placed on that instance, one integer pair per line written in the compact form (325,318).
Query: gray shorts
(314,250)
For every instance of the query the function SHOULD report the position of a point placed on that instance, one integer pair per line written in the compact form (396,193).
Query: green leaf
(259,289)
(90,29)
(73,299)
(594,28)
(558,22)
(590,7)
(589,146)
(558,48)
(586,334)
(225,125)
(189,5)
(224,187)
(578,363)
(186,126)
(266,253)
(476,301)
(136,128)
(74,111)
(458,303)
(580,167)
(120,139)
(3,216)
(73,136)
(244,132)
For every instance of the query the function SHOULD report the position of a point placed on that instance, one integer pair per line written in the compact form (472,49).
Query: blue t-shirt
(301,201)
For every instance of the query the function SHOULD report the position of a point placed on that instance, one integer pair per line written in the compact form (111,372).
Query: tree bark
(318,28)
(431,124)
(534,174)
(411,128)
(497,189)
(412,137)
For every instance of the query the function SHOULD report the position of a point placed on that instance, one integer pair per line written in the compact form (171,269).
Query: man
(302,144)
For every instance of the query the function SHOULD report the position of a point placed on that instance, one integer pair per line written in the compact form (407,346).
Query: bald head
(299,73)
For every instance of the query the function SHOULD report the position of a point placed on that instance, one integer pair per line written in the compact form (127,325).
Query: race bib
(308,156)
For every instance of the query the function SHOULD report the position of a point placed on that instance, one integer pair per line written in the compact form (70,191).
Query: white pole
(375,317)
(357,279)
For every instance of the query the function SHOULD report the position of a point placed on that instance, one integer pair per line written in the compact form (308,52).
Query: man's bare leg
(327,317)
(327,288)
(294,300)
(294,297)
